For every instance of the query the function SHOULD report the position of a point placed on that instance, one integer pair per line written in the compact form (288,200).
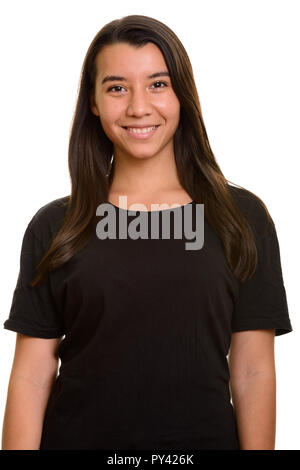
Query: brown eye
(113,87)
(164,83)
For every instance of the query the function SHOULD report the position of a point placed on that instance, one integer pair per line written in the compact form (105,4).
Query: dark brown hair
(90,152)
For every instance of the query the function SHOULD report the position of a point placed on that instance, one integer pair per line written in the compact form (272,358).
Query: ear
(93,106)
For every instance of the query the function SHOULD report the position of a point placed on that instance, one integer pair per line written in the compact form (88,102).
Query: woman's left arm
(253,388)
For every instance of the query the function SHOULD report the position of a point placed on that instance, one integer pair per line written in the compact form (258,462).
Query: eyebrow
(116,78)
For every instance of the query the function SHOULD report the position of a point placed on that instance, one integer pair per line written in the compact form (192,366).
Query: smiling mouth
(141,133)
(140,128)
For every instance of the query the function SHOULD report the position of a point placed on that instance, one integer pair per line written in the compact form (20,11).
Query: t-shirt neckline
(149,212)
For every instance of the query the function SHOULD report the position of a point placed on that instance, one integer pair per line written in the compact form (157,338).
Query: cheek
(169,108)
(108,113)
(108,127)
(108,118)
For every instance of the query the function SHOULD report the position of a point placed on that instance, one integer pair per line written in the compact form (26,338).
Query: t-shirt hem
(281,327)
(20,327)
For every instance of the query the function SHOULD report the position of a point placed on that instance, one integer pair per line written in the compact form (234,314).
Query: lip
(141,136)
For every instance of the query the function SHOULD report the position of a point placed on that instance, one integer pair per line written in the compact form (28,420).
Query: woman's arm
(253,388)
(32,376)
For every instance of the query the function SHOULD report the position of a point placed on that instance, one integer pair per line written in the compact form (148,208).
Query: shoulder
(254,210)
(246,200)
(47,220)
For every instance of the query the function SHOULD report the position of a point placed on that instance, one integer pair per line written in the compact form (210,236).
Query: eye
(112,88)
(164,83)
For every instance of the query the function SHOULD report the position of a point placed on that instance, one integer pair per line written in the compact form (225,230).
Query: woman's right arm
(32,376)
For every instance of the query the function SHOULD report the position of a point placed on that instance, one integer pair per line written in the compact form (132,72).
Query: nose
(139,103)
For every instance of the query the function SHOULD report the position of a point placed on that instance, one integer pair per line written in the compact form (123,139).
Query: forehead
(129,61)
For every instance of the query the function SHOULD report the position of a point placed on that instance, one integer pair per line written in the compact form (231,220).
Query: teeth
(136,130)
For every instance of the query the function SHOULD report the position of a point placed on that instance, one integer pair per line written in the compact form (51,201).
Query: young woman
(142,325)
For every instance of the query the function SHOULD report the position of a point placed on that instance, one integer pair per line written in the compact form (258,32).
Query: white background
(245,58)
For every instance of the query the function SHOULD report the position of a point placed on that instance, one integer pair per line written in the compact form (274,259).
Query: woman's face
(136,99)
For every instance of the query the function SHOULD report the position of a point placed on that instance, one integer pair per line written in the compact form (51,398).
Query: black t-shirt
(147,327)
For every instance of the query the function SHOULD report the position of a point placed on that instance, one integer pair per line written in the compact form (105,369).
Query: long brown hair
(90,153)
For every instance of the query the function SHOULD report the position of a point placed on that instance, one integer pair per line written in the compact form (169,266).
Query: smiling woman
(147,322)
(147,110)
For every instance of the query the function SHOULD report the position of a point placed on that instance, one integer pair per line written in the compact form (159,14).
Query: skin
(253,387)
(145,171)
(31,379)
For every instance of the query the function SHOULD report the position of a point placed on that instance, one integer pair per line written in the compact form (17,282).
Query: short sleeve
(33,310)
(262,301)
